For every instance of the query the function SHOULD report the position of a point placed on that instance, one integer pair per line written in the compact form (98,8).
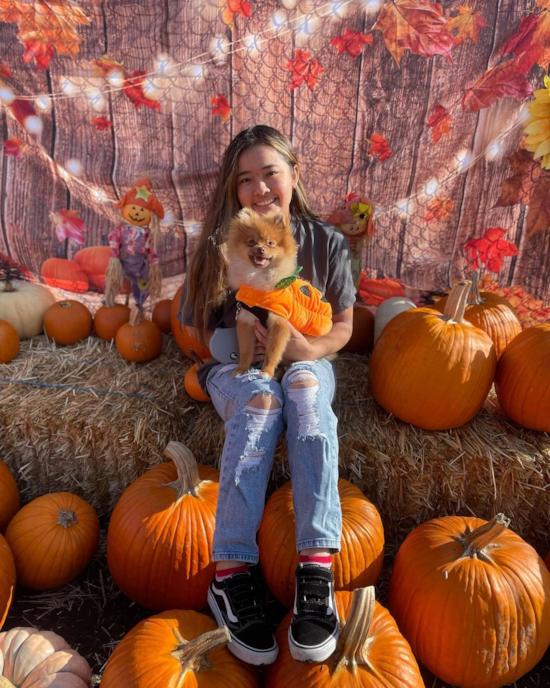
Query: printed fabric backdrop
(420,106)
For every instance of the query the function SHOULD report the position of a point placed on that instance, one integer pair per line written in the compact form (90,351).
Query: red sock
(321,560)
(224,573)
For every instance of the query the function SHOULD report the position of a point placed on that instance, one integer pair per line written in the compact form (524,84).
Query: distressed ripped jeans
(250,437)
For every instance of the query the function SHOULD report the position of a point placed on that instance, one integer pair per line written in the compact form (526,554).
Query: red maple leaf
(15,147)
(5,71)
(490,250)
(440,123)
(416,25)
(379,147)
(531,42)
(305,69)
(68,225)
(221,107)
(351,197)
(467,23)
(133,89)
(352,42)
(232,8)
(41,50)
(101,123)
(22,109)
(105,66)
(438,209)
(499,82)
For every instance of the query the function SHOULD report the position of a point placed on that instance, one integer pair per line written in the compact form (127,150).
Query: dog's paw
(238,372)
(267,374)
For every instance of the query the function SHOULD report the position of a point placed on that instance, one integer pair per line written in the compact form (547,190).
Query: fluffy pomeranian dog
(260,251)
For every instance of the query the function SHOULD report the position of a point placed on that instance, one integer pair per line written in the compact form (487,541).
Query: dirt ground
(93,615)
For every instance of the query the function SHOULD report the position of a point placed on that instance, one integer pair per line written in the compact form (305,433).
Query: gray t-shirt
(326,262)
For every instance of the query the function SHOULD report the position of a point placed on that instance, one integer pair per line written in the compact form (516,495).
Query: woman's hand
(298,348)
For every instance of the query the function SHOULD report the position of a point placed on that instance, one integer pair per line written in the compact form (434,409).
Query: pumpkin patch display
(473,600)
(109,319)
(186,337)
(23,304)
(52,539)
(433,370)
(161,315)
(359,561)
(94,260)
(491,313)
(387,310)
(7,581)
(138,340)
(371,652)
(363,330)
(64,274)
(163,526)
(34,658)
(176,648)
(9,342)
(68,322)
(9,497)
(523,378)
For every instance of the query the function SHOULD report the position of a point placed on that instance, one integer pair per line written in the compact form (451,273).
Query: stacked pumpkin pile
(469,599)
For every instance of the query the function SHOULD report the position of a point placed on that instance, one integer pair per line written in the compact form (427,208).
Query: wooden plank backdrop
(181,146)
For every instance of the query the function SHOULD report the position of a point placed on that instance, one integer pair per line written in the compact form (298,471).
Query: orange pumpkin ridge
(186,337)
(68,322)
(64,274)
(9,497)
(161,315)
(9,342)
(7,579)
(109,319)
(138,340)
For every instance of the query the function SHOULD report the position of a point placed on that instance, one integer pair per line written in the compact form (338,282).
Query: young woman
(260,171)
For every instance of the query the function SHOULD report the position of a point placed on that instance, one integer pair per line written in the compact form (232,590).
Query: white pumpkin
(24,307)
(29,658)
(387,310)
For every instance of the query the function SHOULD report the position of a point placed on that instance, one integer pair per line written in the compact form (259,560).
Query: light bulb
(68,87)
(116,79)
(33,124)
(43,102)
(431,187)
(493,150)
(278,20)
(7,96)
(74,167)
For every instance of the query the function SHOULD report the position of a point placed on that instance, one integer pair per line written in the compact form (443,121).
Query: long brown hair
(207,273)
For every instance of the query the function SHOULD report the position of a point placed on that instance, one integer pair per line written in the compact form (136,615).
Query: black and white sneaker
(314,630)
(236,603)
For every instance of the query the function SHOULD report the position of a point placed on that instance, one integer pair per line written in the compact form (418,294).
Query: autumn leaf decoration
(68,225)
(352,42)
(467,24)
(232,8)
(304,69)
(132,83)
(440,123)
(529,185)
(5,71)
(15,147)
(415,25)
(499,82)
(438,209)
(531,42)
(221,107)
(490,250)
(379,147)
(45,27)
(101,123)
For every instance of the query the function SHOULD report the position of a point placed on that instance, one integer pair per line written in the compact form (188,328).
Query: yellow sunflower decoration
(537,126)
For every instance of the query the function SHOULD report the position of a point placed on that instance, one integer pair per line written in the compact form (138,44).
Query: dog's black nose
(259,250)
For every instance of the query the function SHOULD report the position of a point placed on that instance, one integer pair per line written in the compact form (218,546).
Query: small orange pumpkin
(170,649)
(7,580)
(64,274)
(68,322)
(359,562)
(186,337)
(373,291)
(161,315)
(192,386)
(363,330)
(94,260)
(109,319)
(371,652)
(9,497)
(52,539)
(9,342)
(138,340)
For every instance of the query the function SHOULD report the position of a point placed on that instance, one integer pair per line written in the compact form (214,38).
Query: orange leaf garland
(304,69)
(499,82)
(352,42)
(232,8)
(531,42)
(439,209)
(221,107)
(467,24)
(490,250)
(440,123)
(132,84)
(379,147)
(416,25)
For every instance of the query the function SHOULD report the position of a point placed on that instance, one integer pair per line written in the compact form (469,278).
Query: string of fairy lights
(221,48)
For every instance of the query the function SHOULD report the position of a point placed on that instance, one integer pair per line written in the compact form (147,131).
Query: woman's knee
(302,393)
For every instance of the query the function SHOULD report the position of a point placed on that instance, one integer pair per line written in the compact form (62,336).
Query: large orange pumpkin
(94,260)
(68,322)
(362,336)
(186,337)
(9,497)
(7,580)
(180,649)
(162,527)
(109,319)
(523,378)
(52,539)
(37,659)
(138,340)
(9,342)
(371,652)
(161,315)
(64,274)
(491,313)
(432,370)
(473,600)
(359,562)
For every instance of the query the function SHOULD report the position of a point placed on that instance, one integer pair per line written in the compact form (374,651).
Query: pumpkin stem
(477,540)
(4,683)
(192,654)
(66,518)
(135,316)
(194,355)
(354,641)
(457,301)
(186,465)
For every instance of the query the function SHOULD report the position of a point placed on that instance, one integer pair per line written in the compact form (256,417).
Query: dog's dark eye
(271,243)
(251,242)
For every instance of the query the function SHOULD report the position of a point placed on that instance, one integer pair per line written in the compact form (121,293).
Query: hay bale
(82,419)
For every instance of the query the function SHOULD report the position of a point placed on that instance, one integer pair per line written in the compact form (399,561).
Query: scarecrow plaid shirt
(131,240)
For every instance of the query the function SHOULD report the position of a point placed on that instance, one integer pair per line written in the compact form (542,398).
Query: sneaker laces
(312,594)
(245,597)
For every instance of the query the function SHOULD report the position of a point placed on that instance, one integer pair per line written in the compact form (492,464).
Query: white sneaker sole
(313,654)
(240,650)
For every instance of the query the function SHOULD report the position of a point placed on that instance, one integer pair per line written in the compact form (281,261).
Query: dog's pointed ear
(246,216)
(280,220)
